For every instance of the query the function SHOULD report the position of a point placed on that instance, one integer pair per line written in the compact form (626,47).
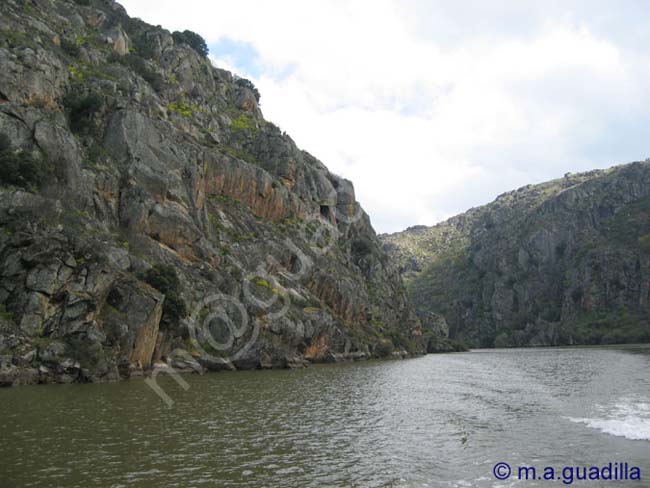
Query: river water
(435,421)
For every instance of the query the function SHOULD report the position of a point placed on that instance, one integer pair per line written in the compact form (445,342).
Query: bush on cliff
(145,47)
(644,243)
(193,40)
(244,83)
(361,247)
(21,168)
(70,48)
(164,279)
(81,108)
(137,64)
(5,143)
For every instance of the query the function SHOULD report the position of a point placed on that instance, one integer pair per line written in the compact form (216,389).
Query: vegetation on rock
(192,39)
(164,279)
(563,262)
(138,65)
(20,167)
(81,108)
(169,190)
(248,84)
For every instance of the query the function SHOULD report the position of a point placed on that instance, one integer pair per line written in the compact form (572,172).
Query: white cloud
(429,125)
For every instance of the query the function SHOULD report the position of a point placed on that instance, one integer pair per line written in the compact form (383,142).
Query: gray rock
(53,353)
(180,172)
(563,262)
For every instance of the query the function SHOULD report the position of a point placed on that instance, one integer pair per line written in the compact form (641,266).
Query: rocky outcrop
(150,215)
(563,262)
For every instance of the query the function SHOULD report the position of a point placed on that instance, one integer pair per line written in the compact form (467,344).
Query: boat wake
(627,418)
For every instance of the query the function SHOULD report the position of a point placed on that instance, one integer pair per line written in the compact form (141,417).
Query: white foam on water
(627,418)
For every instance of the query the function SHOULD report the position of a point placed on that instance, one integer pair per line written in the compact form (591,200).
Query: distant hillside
(562,262)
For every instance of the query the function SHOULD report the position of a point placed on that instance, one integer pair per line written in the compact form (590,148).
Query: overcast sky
(433,107)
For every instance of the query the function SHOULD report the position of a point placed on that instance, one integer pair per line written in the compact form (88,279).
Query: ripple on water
(439,421)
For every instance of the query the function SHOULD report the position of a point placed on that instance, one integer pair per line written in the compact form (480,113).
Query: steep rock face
(150,214)
(563,262)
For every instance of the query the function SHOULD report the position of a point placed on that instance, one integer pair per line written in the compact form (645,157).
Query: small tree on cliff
(243,82)
(193,40)
(164,279)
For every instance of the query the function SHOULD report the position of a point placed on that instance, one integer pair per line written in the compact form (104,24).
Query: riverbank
(70,371)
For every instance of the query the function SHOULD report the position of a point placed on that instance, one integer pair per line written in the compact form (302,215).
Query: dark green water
(435,421)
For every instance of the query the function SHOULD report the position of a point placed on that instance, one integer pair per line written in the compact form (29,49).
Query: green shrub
(458,345)
(164,279)
(81,108)
(577,294)
(615,336)
(96,154)
(13,39)
(139,66)
(193,40)
(5,143)
(384,348)
(445,344)
(182,108)
(644,243)
(362,246)
(244,83)
(144,46)
(502,340)
(244,123)
(21,168)
(84,3)
(4,314)
(70,48)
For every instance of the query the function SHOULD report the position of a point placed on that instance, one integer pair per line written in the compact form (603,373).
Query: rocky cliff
(150,215)
(563,262)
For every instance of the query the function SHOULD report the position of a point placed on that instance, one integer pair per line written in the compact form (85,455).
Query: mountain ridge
(468,274)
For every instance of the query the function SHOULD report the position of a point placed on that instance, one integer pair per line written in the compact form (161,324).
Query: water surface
(436,421)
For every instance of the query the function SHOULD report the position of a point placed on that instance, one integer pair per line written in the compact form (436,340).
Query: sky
(433,107)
